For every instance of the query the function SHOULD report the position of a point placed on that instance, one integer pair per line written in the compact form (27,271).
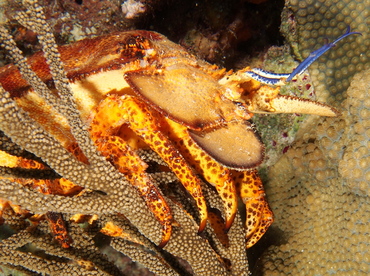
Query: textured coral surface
(319,192)
(315,21)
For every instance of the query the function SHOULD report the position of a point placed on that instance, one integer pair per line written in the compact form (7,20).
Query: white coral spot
(132,8)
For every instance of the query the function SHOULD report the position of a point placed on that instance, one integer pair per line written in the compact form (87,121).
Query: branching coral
(49,258)
(103,191)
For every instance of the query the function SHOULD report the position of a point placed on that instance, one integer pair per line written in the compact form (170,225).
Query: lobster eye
(135,47)
(131,42)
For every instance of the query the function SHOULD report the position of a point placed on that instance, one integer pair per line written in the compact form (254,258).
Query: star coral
(303,22)
(321,202)
(319,191)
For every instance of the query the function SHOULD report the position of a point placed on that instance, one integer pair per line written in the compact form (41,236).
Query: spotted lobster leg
(112,113)
(130,164)
(214,173)
(59,229)
(259,216)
